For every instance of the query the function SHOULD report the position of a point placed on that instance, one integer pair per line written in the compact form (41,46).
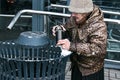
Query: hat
(81,6)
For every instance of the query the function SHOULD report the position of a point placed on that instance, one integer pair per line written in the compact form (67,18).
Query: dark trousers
(76,75)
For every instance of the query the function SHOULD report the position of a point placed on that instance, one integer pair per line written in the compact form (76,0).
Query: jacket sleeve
(96,44)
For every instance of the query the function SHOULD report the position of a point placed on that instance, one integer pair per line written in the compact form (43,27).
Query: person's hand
(55,27)
(64,43)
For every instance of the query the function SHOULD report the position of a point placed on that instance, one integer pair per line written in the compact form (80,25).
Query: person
(86,38)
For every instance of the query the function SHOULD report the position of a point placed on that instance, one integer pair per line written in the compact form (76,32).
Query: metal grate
(18,62)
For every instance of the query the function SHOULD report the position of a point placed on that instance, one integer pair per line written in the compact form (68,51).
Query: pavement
(110,74)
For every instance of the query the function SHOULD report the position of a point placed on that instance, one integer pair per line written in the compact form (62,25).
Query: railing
(53,13)
(65,7)
(34,12)
(19,14)
(48,13)
(106,4)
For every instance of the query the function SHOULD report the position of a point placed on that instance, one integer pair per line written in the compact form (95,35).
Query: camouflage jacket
(88,42)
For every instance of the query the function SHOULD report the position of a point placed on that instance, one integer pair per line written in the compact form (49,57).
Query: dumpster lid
(33,38)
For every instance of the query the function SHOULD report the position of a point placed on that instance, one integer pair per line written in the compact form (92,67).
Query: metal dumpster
(27,61)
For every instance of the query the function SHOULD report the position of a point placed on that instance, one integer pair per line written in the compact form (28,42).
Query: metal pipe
(63,6)
(25,16)
(6,15)
(110,12)
(48,13)
(106,19)
(112,20)
(34,12)
(112,61)
(113,40)
(117,51)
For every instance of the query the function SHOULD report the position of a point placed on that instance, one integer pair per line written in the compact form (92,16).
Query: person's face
(79,17)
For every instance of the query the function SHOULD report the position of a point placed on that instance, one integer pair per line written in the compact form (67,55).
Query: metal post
(37,20)
(68,2)
(0,13)
(0,6)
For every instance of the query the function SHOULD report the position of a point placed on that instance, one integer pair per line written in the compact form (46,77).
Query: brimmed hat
(81,6)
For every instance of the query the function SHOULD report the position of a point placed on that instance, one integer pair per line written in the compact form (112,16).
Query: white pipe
(112,61)
(112,20)
(25,16)
(34,12)
(48,13)
(7,15)
(63,6)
